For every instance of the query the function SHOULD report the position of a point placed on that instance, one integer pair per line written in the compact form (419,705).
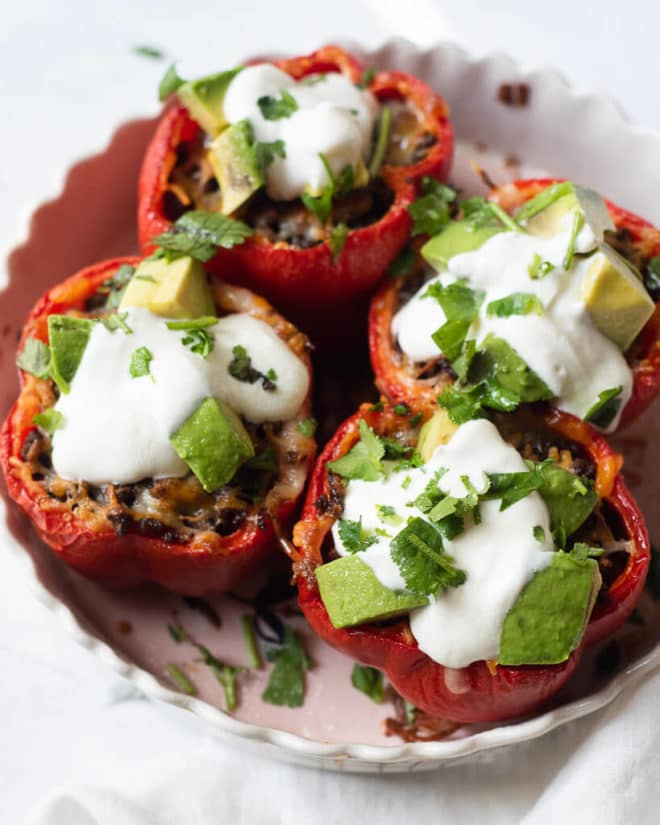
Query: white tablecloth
(79,747)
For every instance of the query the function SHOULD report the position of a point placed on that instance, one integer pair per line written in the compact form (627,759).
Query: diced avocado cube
(615,297)
(214,443)
(239,173)
(439,429)
(547,620)
(552,211)
(352,594)
(457,237)
(68,337)
(173,289)
(204,98)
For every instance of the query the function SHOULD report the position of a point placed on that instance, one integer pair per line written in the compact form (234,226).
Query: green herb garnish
(419,553)
(353,536)
(240,368)
(367,77)
(307,427)
(363,460)
(266,153)
(403,264)
(115,321)
(517,303)
(273,108)
(431,211)
(604,411)
(337,240)
(35,358)
(286,685)
(539,268)
(149,51)
(141,363)
(170,83)
(539,533)
(381,142)
(49,420)
(250,639)
(369,681)
(198,233)
(180,679)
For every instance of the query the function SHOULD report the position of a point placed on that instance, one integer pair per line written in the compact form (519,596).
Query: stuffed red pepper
(162,431)
(318,156)
(471,563)
(543,292)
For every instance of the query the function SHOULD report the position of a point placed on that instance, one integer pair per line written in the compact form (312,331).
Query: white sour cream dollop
(117,428)
(334,118)
(563,346)
(499,555)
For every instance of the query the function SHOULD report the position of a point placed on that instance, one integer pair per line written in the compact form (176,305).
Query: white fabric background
(79,747)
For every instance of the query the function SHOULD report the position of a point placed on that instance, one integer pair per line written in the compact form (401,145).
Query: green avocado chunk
(204,98)
(455,238)
(615,297)
(352,594)
(547,620)
(237,168)
(68,337)
(173,289)
(438,430)
(552,211)
(214,443)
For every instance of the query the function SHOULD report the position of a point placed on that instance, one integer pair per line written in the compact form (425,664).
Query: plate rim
(348,756)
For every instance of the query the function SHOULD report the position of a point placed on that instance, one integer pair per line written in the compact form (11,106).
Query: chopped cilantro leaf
(240,368)
(141,363)
(367,77)
(388,514)
(431,211)
(177,633)
(225,674)
(458,301)
(450,337)
(180,679)
(197,233)
(250,639)
(416,419)
(115,287)
(265,153)
(149,51)
(337,240)
(377,407)
(49,420)
(199,341)
(539,268)
(517,303)
(578,223)
(363,460)
(35,358)
(400,409)
(169,84)
(369,681)
(353,536)
(404,263)
(115,321)
(307,427)
(512,487)
(273,108)
(462,404)
(319,205)
(419,553)
(286,685)
(539,533)
(604,411)
(581,551)
(381,141)
(652,275)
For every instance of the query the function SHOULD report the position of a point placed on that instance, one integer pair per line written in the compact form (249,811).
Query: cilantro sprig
(286,685)
(603,412)
(353,537)
(432,210)
(369,681)
(419,553)
(321,205)
(240,368)
(363,460)
(273,108)
(198,233)
(517,303)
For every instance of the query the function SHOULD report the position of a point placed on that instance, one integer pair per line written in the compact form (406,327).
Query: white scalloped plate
(560,132)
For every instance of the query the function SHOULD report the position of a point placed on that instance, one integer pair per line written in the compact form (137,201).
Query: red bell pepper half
(482,691)
(95,530)
(310,285)
(397,378)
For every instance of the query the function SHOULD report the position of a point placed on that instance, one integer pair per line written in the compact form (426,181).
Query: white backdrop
(78,746)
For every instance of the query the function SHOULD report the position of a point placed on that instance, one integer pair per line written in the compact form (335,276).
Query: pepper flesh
(395,379)
(203,563)
(308,285)
(479,692)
